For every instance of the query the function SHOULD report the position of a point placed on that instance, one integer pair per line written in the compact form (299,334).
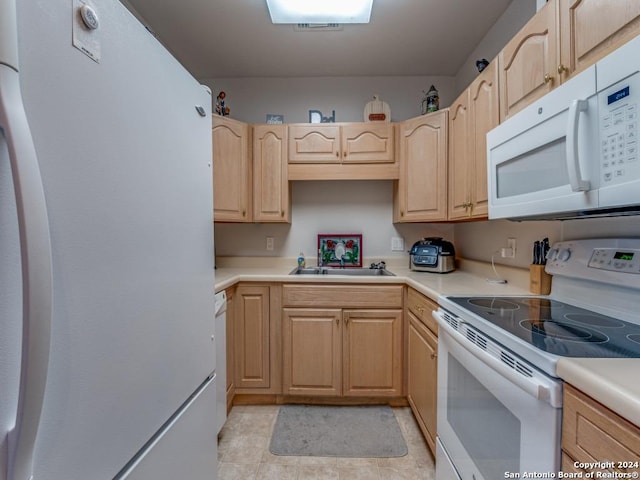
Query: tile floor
(243,453)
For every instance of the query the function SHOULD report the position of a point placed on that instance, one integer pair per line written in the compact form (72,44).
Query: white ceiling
(235,38)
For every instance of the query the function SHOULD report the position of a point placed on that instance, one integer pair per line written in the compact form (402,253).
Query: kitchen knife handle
(35,252)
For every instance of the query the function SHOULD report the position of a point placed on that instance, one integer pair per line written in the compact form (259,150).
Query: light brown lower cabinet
(231,386)
(335,352)
(355,351)
(422,374)
(593,433)
(422,368)
(256,328)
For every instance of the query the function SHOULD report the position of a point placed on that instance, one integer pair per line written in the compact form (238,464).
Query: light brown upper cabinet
(342,151)
(590,29)
(232,199)
(271,191)
(471,116)
(420,194)
(561,40)
(528,63)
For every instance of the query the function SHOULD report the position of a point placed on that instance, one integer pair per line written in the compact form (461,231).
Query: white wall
(480,240)
(329,207)
(250,99)
(512,20)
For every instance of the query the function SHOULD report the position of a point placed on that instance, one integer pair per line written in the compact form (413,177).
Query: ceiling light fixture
(320,11)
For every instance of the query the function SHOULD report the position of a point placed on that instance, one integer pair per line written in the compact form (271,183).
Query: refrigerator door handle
(35,252)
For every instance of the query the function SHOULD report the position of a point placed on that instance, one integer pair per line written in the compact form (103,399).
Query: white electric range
(499,398)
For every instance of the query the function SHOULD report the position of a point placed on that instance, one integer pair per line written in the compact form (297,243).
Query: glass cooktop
(557,327)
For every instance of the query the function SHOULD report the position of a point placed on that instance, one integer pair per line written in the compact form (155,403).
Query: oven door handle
(534,386)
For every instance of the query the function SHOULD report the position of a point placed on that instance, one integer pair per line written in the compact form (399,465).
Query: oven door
(492,419)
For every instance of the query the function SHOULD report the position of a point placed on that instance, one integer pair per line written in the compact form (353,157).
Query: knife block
(539,280)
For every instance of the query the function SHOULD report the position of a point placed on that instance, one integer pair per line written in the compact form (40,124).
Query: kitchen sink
(363,272)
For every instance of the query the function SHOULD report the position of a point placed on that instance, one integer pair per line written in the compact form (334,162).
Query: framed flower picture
(340,250)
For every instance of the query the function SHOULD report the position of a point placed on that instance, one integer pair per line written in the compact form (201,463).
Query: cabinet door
(593,433)
(231,387)
(422,381)
(528,63)
(460,158)
(231,171)
(372,353)
(317,143)
(252,335)
(420,195)
(312,351)
(485,116)
(367,143)
(271,200)
(590,29)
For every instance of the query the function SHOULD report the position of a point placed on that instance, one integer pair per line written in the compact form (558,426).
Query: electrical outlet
(269,243)
(510,251)
(397,244)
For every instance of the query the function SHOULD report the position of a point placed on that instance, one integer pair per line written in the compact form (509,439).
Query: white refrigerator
(107,355)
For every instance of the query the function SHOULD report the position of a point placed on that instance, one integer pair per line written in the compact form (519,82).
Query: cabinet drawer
(593,433)
(422,307)
(342,296)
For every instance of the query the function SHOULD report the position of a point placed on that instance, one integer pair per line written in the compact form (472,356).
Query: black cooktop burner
(562,331)
(494,304)
(557,327)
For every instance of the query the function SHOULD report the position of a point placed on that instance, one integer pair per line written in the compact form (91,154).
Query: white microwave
(573,153)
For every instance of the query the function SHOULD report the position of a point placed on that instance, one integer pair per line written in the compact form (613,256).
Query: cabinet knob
(344,154)
(548,78)
(401,213)
(337,321)
(282,213)
(434,355)
(244,213)
(562,68)
(338,154)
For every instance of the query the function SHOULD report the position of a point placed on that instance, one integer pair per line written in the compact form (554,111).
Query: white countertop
(611,381)
(471,279)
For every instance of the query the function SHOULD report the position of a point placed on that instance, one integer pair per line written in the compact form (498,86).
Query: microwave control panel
(618,108)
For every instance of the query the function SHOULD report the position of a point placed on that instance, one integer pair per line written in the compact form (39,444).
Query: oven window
(489,432)
(539,169)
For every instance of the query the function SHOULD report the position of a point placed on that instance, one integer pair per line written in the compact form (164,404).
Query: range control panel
(618,106)
(625,260)
(609,260)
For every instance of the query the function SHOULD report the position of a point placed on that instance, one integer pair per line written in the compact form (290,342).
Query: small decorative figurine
(221,108)
(482,64)
(430,101)
(377,111)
